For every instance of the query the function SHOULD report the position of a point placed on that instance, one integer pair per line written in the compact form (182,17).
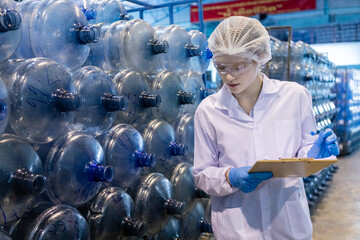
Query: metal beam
(171,14)
(160,5)
(140,3)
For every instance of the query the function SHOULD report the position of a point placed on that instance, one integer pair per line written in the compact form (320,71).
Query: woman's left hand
(325,145)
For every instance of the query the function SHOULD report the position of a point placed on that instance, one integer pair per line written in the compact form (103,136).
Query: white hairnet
(243,37)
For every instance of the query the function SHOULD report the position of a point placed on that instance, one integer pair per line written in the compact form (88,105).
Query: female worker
(254,118)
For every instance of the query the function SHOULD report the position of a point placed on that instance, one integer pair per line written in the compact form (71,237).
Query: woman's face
(236,72)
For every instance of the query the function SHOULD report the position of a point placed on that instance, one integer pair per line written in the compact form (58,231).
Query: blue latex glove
(247,182)
(325,145)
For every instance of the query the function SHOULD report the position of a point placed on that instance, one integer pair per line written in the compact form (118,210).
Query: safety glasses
(233,69)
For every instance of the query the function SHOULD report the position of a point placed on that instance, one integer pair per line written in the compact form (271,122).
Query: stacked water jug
(348,99)
(96,123)
(317,74)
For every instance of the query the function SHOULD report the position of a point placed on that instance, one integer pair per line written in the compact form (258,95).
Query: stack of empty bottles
(317,74)
(348,100)
(96,123)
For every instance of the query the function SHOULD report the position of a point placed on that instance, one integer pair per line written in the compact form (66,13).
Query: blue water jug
(111,216)
(124,150)
(169,86)
(25,8)
(21,178)
(135,88)
(101,100)
(75,167)
(154,203)
(159,137)
(48,221)
(200,63)
(43,99)
(184,132)
(140,49)
(4,107)
(194,83)
(193,223)
(10,29)
(59,30)
(108,11)
(170,231)
(181,50)
(99,49)
(4,235)
(183,183)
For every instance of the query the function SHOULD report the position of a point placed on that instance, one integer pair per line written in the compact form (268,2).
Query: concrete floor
(337,216)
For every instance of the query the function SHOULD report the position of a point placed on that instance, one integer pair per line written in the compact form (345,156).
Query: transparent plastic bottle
(59,30)
(4,107)
(140,49)
(112,44)
(25,8)
(169,86)
(124,150)
(193,83)
(21,178)
(200,63)
(193,223)
(126,45)
(10,29)
(171,231)
(108,11)
(183,183)
(48,221)
(135,88)
(159,137)
(101,100)
(154,203)
(43,99)
(97,50)
(111,216)
(75,168)
(181,50)
(4,235)
(184,132)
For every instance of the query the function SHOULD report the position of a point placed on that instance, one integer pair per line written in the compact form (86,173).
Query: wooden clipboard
(291,167)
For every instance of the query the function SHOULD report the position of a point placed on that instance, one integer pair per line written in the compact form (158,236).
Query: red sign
(248,8)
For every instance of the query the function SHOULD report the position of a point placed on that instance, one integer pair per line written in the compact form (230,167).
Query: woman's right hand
(247,182)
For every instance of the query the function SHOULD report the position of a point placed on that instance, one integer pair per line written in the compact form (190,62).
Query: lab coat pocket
(299,220)
(288,137)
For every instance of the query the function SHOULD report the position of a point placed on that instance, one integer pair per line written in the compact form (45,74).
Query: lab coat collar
(227,101)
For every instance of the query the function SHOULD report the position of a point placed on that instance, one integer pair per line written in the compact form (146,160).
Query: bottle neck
(66,101)
(193,50)
(158,47)
(99,173)
(10,20)
(177,149)
(28,183)
(88,34)
(174,207)
(132,227)
(186,98)
(144,159)
(205,226)
(113,103)
(149,100)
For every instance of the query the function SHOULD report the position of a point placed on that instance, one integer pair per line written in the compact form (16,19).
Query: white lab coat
(278,126)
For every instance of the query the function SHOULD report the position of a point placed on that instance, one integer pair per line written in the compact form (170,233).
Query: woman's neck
(249,96)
